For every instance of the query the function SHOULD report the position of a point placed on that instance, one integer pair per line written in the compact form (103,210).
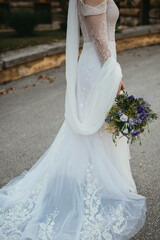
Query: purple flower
(131,98)
(141,116)
(140,121)
(107,120)
(135,133)
(133,122)
(141,108)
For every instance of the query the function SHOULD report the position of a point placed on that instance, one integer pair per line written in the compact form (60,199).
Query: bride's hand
(121,87)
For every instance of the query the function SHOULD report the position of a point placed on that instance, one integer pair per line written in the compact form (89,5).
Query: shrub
(43,16)
(3,16)
(23,22)
(63,26)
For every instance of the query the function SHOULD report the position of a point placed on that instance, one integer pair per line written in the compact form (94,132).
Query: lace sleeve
(95,13)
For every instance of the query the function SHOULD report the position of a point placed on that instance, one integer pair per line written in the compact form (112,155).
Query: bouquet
(129,117)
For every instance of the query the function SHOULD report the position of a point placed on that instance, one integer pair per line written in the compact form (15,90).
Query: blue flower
(131,98)
(141,116)
(133,122)
(135,133)
(141,108)
(107,120)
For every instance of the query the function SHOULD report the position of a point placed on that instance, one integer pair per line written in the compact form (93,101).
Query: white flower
(125,131)
(123,118)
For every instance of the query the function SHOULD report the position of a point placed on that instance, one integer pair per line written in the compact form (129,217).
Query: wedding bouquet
(129,117)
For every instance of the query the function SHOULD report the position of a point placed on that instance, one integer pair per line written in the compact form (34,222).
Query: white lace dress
(82,186)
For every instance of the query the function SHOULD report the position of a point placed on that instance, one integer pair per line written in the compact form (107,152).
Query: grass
(10,40)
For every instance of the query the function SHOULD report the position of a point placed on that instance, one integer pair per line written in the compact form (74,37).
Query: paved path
(30,120)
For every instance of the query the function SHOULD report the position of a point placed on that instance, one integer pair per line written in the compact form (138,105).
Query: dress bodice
(112,14)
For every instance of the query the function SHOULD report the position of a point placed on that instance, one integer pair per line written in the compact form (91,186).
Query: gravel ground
(32,113)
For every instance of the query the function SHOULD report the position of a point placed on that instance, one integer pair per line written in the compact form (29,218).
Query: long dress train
(82,186)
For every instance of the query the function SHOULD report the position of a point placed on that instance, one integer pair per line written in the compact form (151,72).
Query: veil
(102,95)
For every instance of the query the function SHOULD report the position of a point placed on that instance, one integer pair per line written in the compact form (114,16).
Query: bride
(82,186)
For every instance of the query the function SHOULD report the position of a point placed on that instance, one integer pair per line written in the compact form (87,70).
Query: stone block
(131,12)
(56,11)
(138,31)
(56,25)
(154,21)
(21,4)
(30,54)
(129,21)
(135,3)
(12,10)
(140,41)
(58,17)
(55,4)
(154,13)
(155,3)
(23,70)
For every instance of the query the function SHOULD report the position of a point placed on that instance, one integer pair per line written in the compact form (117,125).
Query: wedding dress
(82,186)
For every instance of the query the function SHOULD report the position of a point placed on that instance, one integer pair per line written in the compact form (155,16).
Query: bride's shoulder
(94,3)
(93,7)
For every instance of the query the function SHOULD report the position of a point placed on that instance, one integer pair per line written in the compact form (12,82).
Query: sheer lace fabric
(72,194)
(98,25)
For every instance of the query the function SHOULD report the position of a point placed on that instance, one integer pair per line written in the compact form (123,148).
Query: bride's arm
(96,18)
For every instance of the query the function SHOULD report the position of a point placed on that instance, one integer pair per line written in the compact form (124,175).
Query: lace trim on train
(14,219)
(95,224)
(46,229)
(17,215)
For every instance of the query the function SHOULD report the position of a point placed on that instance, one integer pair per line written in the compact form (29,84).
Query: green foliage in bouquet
(129,117)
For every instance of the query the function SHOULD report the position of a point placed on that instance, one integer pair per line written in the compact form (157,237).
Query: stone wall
(57,16)
(130,15)
(139,12)
(56,12)
(154,13)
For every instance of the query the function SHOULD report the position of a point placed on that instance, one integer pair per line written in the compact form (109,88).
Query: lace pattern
(97,25)
(20,212)
(14,219)
(95,225)
(46,229)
